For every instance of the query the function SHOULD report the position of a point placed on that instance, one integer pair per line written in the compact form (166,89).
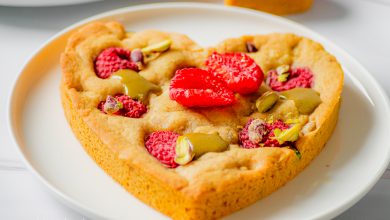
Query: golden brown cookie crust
(217,183)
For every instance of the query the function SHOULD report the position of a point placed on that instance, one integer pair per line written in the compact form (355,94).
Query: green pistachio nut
(266,101)
(134,84)
(277,132)
(282,69)
(112,105)
(290,134)
(306,100)
(283,77)
(184,150)
(194,145)
(158,47)
(296,151)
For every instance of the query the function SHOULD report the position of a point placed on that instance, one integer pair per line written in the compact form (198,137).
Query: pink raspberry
(162,144)
(258,132)
(131,108)
(299,77)
(111,60)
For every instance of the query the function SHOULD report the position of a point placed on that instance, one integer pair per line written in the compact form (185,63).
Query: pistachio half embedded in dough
(184,151)
(158,47)
(194,145)
(266,101)
(134,84)
(306,100)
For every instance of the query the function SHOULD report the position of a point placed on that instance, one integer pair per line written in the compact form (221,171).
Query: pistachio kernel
(250,47)
(257,131)
(112,105)
(158,47)
(150,57)
(291,134)
(283,77)
(136,56)
(194,145)
(282,69)
(266,101)
(184,151)
(296,151)
(282,97)
(134,84)
(306,100)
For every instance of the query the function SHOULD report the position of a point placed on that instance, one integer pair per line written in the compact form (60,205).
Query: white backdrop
(361,27)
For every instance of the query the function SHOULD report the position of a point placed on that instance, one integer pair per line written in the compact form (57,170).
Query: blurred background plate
(40,3)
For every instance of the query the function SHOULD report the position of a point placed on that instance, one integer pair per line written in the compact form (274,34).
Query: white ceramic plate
(345,171)
(40,3)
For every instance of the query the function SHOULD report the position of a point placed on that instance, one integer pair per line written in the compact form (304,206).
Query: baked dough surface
(216,184)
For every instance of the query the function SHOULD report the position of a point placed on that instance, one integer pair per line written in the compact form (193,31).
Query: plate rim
(70,202)
(47,4)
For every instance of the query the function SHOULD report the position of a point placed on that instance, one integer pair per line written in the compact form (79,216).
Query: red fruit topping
(193,87)
(162,144)
(298,77)
(131,108)
(258,132)
(237,70)
(111,60)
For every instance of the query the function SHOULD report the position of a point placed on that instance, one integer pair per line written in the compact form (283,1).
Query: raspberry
(299,77)
(196,87)
(162,144)
(258,132)
(271,127)
(111,60)
(131,108)
(237,70)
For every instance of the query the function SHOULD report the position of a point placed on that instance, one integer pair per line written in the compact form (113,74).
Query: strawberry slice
(193,87)
(237,70)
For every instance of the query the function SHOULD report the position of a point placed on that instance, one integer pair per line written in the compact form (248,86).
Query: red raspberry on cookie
(123,105)
(111,60)
(193,87)
(258,132)
(162,144)
(296,77)
(237,70)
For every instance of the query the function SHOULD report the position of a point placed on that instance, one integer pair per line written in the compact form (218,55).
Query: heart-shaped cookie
(199,148)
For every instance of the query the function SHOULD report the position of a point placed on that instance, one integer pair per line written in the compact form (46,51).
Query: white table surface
(361,27)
